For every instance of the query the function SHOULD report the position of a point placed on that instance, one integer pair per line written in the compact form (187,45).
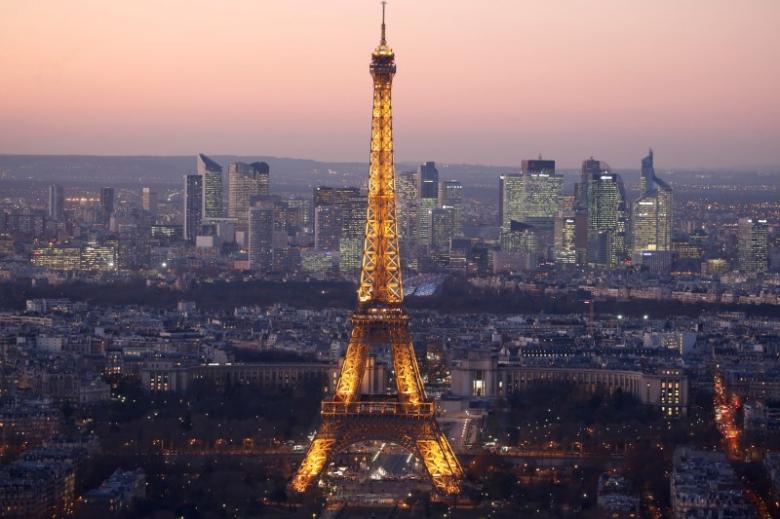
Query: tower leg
(407,374)
(441,463)
(312,465)
(354,365)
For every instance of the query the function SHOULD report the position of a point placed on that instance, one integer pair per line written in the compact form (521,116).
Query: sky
(479,81)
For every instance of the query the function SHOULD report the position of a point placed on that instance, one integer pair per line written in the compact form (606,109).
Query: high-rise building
(451,195)
(424,221)
(353,228)
(149,200)
(532,197)
(193,205)
(752,245)
(442,229)
(581,235)
(300,214)
(106,204)
(651,213)
(325,195)
(429,180)
(606,215)
(327,227)
(329,209)
(541,193)
(510,190)
(519,248)
(213,203)
(246,181)
(591,168)
(538,200)
(407,191)
(261,234)
(565,238)
(56,208)
(429,200)
(521,238)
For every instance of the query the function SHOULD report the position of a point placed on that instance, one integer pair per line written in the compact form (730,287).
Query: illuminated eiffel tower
(408,417)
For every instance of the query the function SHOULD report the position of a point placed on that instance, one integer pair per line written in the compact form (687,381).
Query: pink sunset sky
(479,81)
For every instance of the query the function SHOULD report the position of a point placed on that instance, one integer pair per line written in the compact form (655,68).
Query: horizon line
(402,161)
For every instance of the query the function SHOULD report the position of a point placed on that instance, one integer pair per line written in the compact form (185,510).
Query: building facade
(752,245)
(606,215)
(106,204)
(407,193)
(451,196)
(211,173)
(486,377)
(193,205)
(149,200)
(245,182)
(651,214)
(56,206)
(565,233)
(261,235)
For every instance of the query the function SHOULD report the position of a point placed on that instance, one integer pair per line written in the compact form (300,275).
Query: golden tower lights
(408,417)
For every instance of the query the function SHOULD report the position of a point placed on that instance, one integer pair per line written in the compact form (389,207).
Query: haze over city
(479,82)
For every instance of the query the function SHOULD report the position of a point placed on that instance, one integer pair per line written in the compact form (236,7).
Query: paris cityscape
(260,331)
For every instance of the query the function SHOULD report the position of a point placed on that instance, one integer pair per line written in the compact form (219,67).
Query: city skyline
(704,89)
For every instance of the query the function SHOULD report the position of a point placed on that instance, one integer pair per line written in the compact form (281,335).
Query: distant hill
(287,174)
(300,175)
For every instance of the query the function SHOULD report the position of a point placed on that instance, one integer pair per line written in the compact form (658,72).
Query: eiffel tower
(408,417)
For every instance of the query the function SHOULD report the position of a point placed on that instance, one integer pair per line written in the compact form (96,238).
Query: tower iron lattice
(408,417)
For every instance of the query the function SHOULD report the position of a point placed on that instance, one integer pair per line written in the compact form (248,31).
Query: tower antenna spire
(384,41)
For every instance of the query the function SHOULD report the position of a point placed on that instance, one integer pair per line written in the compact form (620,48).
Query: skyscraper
(429,200)
(149,200)
(407,191)
(330,207)
(451,195)
(299,214)
(510,199)
(106,204)
(606,215)
(56,207)
(353,228)
(533,197)
(442,229)
(325,195)
(193,205)
(521,238)
(261,234)
(541,193)
(213,204)
(245,181)
(327,227)
(752,245)
(651,213)
(429,178)
(565,239)
(590,169)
